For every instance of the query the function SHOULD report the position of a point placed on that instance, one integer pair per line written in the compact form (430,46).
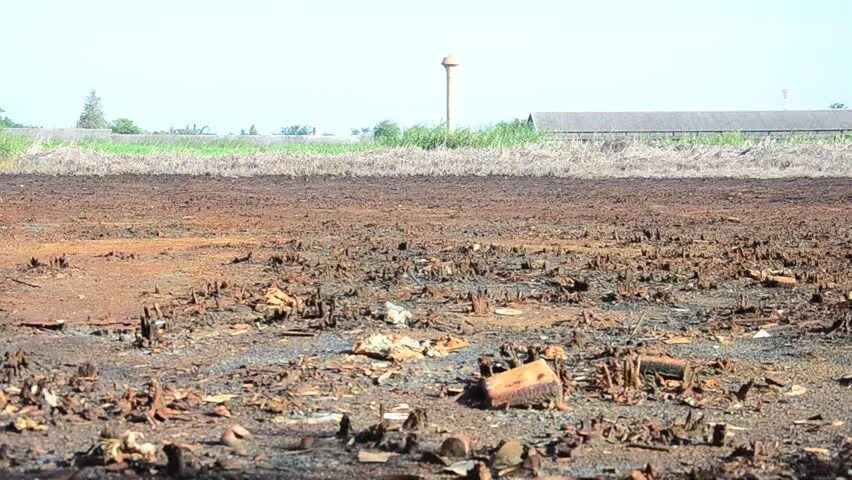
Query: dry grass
(561,159)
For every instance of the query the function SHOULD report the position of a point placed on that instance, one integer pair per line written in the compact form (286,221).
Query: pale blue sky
(343,64)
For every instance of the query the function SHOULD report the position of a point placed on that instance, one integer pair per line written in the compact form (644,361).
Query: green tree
(296,130)
(387,132)
(837,106)
(6,122)
(93,113)
(252,130)
(124,126)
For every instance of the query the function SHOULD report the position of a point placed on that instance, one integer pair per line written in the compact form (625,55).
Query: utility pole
(450,62)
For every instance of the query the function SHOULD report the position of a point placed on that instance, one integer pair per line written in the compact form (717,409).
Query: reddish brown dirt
(665,259)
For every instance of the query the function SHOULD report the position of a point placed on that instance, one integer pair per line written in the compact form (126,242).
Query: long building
(587,125)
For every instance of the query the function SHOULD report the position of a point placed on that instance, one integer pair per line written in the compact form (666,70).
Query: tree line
(92,116)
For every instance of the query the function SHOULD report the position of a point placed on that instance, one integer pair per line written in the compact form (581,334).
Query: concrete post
(449,63)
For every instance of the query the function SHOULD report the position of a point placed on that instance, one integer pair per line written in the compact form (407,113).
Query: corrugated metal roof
(720,121)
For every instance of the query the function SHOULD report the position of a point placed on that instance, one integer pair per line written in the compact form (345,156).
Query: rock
(457,446)
(229,439)
(396,315)
(531,384)
(233,437)
(220,411)
(509,454)
(761,334)
(776,380)
(241,432)
(780,281)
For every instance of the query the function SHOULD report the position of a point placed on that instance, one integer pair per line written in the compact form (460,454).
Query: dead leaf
(22,424)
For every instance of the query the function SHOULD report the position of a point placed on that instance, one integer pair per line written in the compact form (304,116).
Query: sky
(340,64)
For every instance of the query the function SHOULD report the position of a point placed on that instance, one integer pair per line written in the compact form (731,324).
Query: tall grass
(501,135)
(12,147)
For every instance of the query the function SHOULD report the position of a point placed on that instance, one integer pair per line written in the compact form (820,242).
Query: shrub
(296,130)
(124,126)
(503,134)
(387,133)
(12,147)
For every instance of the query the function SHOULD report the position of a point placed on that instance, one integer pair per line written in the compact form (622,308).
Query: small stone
(457,446)
(780,281)
(761,334)
(509,454)
(776,380)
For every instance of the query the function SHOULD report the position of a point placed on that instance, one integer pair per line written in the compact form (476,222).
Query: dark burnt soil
(748,281)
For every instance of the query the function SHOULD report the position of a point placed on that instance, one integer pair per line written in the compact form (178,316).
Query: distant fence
(62,134)
(80,134)
(676,135)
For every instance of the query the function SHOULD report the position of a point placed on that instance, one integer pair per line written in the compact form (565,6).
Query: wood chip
(219,397)
(531,384)
(46,325)
(508,312)
(366,456)
(820,452)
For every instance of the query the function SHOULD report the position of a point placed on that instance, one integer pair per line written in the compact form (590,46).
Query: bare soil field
(208,327)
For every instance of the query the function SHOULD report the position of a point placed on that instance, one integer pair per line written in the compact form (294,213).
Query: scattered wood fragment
(44,325)
(367,456)
(300,333)
(219,398)
(242,259)
(531,384)
(665,367)
(780,281)
(643,446)
(33,285)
